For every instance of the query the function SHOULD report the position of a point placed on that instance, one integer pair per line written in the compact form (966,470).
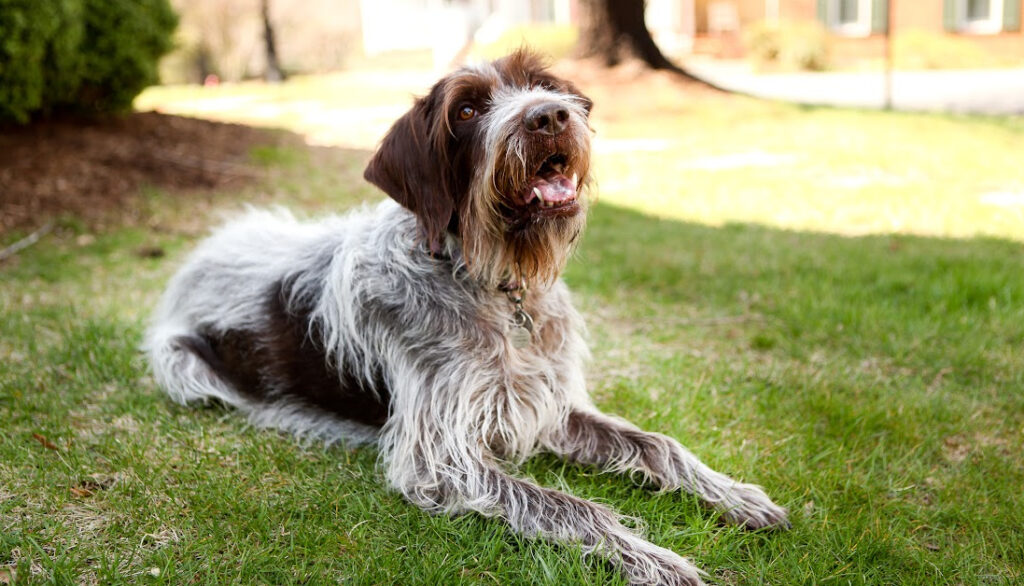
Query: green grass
(871,383)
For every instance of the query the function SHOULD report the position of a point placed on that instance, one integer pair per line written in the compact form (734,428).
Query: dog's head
(498,155)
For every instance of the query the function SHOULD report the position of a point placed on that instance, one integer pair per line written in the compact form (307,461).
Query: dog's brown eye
(466,112)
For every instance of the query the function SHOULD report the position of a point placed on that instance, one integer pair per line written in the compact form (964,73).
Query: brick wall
(907,15)
(926,15)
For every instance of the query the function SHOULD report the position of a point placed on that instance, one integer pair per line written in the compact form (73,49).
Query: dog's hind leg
(592,437)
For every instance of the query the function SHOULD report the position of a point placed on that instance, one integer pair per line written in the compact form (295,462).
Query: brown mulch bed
(90,169)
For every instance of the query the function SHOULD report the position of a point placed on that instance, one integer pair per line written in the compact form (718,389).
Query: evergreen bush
(79,56)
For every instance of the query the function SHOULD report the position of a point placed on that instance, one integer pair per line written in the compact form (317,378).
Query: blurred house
(225,37)
(446,27)
(857,27)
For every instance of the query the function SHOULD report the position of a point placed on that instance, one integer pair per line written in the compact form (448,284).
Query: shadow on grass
(911,298)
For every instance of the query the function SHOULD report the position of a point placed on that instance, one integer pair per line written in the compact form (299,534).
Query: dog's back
(235,323)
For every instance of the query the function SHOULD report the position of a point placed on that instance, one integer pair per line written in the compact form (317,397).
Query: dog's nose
(547,118)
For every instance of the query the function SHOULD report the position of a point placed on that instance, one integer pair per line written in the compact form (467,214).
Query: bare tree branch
(25,242)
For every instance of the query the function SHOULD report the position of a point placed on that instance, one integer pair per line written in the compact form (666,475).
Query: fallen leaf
(90,486)
(46,443)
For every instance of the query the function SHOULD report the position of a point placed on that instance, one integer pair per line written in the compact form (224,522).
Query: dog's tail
(184,366)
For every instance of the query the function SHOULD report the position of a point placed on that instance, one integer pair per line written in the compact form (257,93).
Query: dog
(435,325)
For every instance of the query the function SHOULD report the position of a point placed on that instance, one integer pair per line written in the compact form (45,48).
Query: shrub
(763,42)
(805,47)
(82,56)
(795,45)
(39,40)
(62,68)
(123,43)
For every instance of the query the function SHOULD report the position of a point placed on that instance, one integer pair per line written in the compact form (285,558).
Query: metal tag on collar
(520,331)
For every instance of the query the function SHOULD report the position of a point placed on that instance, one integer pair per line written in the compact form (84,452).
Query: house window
(849,17)
(983,17)
(848,12)
(979,10)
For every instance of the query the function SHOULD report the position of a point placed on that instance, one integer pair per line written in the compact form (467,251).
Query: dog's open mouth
(553,186)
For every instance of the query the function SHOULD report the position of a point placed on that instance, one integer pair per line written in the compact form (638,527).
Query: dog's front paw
(749,507)
(652,565)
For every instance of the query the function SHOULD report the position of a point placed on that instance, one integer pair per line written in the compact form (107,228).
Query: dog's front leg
(456,483)
(591,437)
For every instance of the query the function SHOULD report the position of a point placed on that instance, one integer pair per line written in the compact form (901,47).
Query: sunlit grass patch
(719,160)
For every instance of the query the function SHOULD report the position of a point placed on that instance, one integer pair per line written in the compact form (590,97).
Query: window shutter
(823,12)
(949,15)
(1011,15)
(879,16)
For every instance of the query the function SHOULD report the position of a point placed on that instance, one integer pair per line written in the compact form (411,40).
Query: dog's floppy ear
(410,167)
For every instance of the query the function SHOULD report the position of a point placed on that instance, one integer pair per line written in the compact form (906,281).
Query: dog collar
(520,328)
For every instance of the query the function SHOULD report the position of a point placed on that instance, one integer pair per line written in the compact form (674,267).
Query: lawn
(829,303)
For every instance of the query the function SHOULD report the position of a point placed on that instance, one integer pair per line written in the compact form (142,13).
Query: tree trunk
(273,72)
(614,30)
(203,67)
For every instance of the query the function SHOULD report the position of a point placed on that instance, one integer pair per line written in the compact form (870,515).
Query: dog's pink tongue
(555,188)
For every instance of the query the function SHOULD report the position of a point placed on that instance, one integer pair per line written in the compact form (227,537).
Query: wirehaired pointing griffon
(437,327)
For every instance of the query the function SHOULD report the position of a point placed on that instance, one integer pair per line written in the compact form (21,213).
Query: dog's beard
(525,207)
(503,243)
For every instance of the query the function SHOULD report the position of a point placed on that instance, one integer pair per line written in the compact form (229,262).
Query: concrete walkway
(996,91)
